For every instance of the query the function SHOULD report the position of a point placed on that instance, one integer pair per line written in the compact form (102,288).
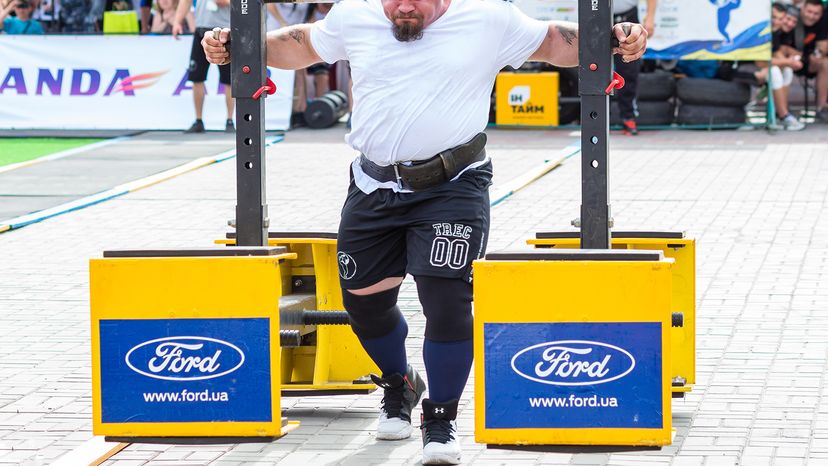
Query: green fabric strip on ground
(15,150)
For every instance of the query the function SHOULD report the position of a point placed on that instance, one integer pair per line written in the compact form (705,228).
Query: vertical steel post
(248,74)
(595,73)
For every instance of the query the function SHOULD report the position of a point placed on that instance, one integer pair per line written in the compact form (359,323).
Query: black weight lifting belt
(428,173)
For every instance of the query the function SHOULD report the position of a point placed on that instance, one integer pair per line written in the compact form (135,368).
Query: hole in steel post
(594,164)
(248,117)
(594,140)
(248,142)
(593,115)
(248,165)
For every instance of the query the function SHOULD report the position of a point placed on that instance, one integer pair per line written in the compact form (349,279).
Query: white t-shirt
(413,100)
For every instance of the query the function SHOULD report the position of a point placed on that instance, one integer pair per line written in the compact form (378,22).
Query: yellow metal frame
(683,252)
(577,292)
(187,288)
(338,358)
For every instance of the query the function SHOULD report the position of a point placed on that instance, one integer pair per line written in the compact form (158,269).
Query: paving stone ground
(755,202)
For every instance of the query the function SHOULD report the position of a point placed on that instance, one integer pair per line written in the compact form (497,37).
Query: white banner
(113,82)
(688,29)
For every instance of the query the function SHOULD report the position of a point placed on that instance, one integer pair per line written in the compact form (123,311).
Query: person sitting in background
(784,63)
(163,18)
(22,22)
(812,39)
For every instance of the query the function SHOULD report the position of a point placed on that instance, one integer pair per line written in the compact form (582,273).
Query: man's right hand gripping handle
(217,46)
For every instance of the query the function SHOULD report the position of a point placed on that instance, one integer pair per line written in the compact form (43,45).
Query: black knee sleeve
(374,315)
(447,305)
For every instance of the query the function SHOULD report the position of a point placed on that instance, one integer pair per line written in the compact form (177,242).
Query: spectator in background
(282,15)
(812,39)
(22,22)
(79,16)
(627,10)
(209,14)
(46,12)
(145,14)
(784,63)
(163,18)
(320,71)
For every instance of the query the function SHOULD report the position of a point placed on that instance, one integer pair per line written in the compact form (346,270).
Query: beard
(408,31)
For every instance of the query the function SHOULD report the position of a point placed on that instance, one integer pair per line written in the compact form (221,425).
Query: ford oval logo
(184,358)
(573,362)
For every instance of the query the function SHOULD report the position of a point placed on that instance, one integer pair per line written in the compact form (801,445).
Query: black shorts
(199,64)
(436,232)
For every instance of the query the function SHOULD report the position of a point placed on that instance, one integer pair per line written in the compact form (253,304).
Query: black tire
(649,113)
(657,86)
(709,115)
(697,91)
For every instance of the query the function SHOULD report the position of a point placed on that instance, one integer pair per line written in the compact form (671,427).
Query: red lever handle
(616,83)
(269,87)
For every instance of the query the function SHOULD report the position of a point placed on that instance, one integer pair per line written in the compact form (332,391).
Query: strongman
(418,200)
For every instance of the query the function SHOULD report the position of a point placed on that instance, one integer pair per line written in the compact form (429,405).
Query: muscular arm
(290,48)
(560,46)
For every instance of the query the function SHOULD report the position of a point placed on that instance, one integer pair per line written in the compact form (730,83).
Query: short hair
(780,7)
(792,11)
(814,2)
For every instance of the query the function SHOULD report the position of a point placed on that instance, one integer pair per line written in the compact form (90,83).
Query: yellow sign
(527,99)
(683,252)
(545,333)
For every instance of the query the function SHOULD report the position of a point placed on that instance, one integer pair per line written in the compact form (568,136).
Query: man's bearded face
(408,27)
(409,18)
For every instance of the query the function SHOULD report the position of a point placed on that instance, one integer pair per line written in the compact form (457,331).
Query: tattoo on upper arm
(569,34)
(297,35)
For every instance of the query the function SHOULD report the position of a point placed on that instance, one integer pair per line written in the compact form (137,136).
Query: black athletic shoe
(229,127)
(198,127)
(439,427)
(297,120)
(401,396)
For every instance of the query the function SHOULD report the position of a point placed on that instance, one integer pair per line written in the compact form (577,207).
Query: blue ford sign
(573,375)
(185,370)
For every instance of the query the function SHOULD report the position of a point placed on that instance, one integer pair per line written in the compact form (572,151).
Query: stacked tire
(325,111)
(656,100)
(712,102)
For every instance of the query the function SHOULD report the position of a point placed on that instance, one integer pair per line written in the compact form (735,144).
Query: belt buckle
(397,174)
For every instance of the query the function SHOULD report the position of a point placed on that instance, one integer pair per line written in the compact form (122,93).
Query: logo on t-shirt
(347,265)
